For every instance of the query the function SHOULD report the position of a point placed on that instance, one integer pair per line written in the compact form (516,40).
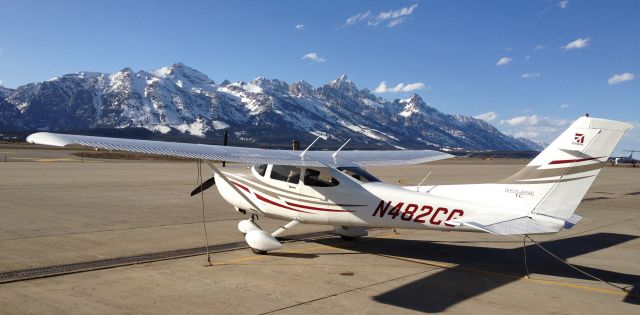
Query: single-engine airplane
(333,188)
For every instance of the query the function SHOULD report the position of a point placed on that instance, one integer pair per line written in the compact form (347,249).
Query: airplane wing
(243,155)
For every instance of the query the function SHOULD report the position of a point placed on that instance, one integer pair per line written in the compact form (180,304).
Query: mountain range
(179,100)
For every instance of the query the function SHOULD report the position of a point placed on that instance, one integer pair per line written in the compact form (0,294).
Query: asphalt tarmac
(57,209)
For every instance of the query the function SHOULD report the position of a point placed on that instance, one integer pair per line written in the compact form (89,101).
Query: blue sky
(528,67)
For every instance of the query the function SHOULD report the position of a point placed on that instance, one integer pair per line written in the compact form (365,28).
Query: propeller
(211,181)
(206,185)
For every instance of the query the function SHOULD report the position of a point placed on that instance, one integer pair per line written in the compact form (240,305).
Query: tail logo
(578,139)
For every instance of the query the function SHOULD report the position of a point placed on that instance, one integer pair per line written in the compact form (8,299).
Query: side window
(289,174)
(319,178)
(359,174)
(261,169)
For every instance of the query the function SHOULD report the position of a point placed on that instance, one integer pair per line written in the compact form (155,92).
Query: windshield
(260,169)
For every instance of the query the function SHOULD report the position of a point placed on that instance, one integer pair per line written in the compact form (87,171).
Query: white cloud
(563,4)
(1,83)
(619,78)
(503,61)
(527,57)
(577,44)
(389,18)
(401,87)
(299,27)
(393,18)
(488,116)
(534,127)
(312,56)
(395,22)
(357,18)
(563,106)
(531,75)
(521,120)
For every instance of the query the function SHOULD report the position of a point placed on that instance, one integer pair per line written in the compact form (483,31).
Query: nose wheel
(258,252)
(260,241)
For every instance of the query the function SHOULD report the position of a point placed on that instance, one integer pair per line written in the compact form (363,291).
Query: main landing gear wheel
(350,233)
(258,252)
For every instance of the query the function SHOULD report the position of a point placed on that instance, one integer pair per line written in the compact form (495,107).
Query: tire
(258,252)
(349,238)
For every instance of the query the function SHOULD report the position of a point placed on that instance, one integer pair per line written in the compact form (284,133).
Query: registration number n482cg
(417,213)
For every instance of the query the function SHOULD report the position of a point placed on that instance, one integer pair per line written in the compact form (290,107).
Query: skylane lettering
(417,213)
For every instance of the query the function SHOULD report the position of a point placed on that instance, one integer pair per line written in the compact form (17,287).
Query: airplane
(333,188)
(615,161)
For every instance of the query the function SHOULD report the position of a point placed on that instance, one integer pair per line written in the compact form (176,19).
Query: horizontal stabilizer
(515,226)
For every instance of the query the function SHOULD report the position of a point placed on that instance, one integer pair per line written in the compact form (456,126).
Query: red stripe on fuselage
(277,204)
(315,208)
(240,185)
(572,161)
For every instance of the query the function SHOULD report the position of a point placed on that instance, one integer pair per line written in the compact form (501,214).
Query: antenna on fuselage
(336,153)
(305,150)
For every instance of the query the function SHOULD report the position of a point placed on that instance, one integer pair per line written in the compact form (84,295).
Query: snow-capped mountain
(180,99)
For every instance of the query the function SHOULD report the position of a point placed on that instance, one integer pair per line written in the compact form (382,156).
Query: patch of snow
(22,107)
(371,103)
(197,128)
(217,125)
(253,104)
(162,72)
(252,88)
(160,128)
(322,135)
(363,130)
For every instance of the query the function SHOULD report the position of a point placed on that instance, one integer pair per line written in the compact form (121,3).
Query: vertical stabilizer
(570,164)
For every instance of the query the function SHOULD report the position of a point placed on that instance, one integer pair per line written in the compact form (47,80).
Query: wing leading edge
(243,155)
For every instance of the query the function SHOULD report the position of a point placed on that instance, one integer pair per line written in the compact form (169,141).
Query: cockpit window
(319,178)
(289,174)
(359,174)
(261,169)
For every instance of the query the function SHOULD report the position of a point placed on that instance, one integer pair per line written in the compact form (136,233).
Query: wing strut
(307,149)
(336,153)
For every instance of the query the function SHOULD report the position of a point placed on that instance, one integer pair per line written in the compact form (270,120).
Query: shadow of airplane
(477,270)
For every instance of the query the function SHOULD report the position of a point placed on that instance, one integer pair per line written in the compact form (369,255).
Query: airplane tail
(569,165)
(542,197)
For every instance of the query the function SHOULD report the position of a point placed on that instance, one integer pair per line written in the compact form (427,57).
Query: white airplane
(320,187)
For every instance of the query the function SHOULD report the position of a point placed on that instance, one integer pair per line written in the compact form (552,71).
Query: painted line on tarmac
(302,250)
(59,270)
(253,258)
(53,160)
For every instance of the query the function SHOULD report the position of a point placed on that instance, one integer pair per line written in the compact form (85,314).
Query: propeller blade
(206,185)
